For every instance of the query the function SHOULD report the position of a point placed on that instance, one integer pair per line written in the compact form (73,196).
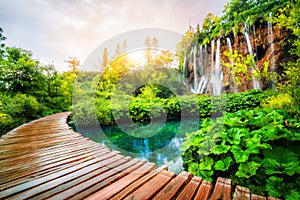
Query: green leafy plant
(255,148)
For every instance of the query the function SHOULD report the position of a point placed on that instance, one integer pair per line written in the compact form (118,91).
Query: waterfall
(202,85)
(212,52)
(256,84)
(201,61)
(218,66)
(185,71)
(195,67)
(229,44)
(205,70)
(217,75)
(271,43)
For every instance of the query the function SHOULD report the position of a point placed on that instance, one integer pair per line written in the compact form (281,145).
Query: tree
(19,72)
(148,50)
(74,64)
(244,69)
(155,47)
(289,18)
(104,58)
(184,46)
(118,51)
(124,47)
(2,45)
(52,80)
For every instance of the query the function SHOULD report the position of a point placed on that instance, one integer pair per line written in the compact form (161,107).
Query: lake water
(156,142)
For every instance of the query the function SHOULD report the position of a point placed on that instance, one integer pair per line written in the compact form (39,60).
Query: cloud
(57,29)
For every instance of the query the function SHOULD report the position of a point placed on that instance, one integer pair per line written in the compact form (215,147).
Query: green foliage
(29,90)
(147,104)
(244,69)
(280,101)
(255,148)
(289,82)
(18,109)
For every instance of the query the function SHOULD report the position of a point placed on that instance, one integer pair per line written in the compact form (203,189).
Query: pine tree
(118,51)
(124,47)
(148,50)
(104,58)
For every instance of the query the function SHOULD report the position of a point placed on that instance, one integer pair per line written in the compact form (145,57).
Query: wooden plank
(222,189)
(128,190)
(190,190)
(257,197)
(46,150)
(30,184)
(92,185)
(23,163)
(51,152)
(106,182)
(84,177)
(204,191)
(151,188)
(66,178)
(34,171)
(111,190)
(35,145)
(28,139)
(31,149)
(172,189)
(241,193)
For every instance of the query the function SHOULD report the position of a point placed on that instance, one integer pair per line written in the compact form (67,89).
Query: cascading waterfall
(256,84)
(206,75)
(229,44)
(205,70)
(212,43)
(195,67)
(201,68)
(271,43)
(203,80)
(217,75)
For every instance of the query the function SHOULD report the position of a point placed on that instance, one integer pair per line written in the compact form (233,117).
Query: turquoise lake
(159,143)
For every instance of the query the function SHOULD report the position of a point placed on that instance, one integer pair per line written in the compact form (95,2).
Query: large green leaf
(247,169)
(233,135)
(241,155)
(206,163)
(224,164)
(275,186)
(220,149)
(281,160)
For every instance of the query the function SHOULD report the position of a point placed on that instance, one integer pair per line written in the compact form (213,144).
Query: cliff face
(268,45)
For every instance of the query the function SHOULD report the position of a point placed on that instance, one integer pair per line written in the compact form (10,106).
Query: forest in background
(29,89)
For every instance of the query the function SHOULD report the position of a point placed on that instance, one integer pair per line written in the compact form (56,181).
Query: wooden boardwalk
(45,159)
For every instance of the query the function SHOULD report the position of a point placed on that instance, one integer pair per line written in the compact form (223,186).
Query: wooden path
(45,159)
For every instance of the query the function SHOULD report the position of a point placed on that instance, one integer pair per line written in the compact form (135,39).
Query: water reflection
(162,148)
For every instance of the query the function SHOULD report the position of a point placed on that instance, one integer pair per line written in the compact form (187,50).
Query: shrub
(255,148)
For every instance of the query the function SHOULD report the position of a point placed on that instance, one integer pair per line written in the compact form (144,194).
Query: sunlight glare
(137,57)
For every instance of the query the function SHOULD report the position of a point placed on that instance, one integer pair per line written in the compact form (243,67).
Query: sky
(55,30)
